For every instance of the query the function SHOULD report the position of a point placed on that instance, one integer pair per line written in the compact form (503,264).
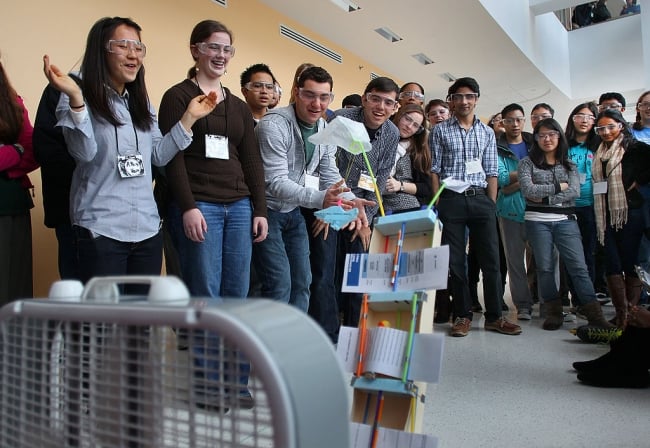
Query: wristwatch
(401,185)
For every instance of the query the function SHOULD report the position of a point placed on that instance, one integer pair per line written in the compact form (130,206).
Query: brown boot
(617,292)
(554,317)
(633,287)
(594,315)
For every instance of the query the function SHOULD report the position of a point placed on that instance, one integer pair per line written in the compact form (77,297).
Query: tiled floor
(521,391)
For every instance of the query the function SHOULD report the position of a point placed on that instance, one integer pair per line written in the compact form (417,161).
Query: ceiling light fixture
(423,59)
(346,5)
(448,77)
(388,34)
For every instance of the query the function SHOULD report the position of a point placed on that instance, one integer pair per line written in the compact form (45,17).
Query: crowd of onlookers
(238,182)
(596,12)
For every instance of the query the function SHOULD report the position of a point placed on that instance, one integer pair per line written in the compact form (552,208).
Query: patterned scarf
(616,199)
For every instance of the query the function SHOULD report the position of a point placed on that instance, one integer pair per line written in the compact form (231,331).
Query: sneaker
(524,315)
(502,326)
(598,335)
(461,327)
(602,298)
(569,317)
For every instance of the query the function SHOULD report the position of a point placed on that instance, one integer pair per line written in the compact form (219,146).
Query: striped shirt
(452,147)
(381,157)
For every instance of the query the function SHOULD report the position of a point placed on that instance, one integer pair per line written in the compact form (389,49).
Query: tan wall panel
(31,29)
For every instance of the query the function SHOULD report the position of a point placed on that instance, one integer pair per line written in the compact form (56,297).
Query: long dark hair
(419,146)
(11,113)
(561,152)
(638,123)
(202,31)
(592,140)
(95,76)
(618,117)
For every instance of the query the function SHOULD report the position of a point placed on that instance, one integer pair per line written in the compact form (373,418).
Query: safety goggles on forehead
(214,48)
(122,47)
(412,94)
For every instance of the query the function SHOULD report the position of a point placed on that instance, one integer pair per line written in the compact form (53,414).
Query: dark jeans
(104,256)
(622,246)
(323,306)
(68,261)
(478,214)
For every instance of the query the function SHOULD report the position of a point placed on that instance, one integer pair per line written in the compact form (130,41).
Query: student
(437,111)
(350,101)
(16,160)
(611,100)
(112,133)
(379,102)
(258,87)
(540,112)
(411,93)
(549,182)
(409,185)
(512,146)
(465,149)
(218,208)
(620,165)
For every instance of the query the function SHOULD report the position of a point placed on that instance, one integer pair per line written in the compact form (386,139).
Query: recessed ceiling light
(346,5)
(448,77)
(423,59)
(388,34)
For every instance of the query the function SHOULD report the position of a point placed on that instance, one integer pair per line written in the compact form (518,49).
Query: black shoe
(605,362)
(441,318)
(638,379)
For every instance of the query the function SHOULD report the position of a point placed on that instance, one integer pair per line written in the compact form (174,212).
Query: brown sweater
(193,177)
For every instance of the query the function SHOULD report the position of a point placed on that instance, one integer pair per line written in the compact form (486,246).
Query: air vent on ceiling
(223,3)
(423,59)
(448,77)
(346,5)
(388,34)
(307,42)
(374,75)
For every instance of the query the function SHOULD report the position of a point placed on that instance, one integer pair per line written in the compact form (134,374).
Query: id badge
(130,165)
(600,187)
(312,181)
(365,182)
(216,147)
(473,167)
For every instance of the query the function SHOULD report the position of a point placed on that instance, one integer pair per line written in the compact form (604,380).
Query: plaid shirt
(452,146)
(381,157)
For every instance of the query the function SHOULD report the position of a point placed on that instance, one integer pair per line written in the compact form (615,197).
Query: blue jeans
(622,246)
(565,235)
(104,256)
(220,265)
(282,259)
(323,306)
(217,267)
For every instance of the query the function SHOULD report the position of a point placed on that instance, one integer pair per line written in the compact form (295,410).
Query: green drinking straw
(409,344)
(435,198)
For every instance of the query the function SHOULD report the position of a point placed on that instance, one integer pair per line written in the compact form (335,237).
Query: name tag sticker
(600,187)
(216,147)
(473,167)
(365,182)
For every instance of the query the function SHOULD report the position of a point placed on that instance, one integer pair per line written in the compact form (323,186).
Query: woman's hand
(194,225)
(62,82)
(392,185)
(564,186)
(199,107)
(260,229)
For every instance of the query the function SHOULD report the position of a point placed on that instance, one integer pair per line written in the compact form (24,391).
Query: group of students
(240,190)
